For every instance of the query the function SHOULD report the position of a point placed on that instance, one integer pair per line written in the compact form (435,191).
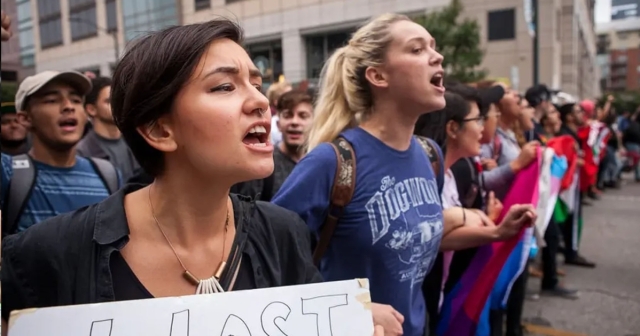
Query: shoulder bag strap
(343,187)
(107,172)
(434,157)
(20,187)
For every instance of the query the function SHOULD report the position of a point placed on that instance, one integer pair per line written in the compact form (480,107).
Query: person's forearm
(452,219)
(465,237)
(497,179)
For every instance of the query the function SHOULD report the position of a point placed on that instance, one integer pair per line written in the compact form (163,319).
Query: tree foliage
(457,40)
(9,90)
(623,101)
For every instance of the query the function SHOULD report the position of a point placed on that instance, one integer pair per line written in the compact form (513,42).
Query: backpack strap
(21,185)
(107,172)
(343,187)
(431,148)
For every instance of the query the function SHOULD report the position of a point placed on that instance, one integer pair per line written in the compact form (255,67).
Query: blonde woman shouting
(372,92)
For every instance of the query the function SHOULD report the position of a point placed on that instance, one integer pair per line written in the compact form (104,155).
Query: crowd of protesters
(399,174)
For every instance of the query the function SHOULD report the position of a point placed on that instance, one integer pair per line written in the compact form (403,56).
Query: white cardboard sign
(327,309)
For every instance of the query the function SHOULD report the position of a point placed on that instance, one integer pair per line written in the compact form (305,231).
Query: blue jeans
(634,147)
(613,166)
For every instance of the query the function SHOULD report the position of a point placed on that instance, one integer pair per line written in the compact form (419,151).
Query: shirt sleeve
(307,190)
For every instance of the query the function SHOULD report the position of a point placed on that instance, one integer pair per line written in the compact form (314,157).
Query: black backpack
(24,179)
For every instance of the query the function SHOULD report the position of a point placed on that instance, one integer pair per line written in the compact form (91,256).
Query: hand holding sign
(388,318)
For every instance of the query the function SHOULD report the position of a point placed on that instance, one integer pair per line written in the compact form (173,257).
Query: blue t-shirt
(390,232)
(57,190)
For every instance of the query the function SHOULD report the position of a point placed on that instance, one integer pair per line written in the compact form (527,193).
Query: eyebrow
(431,42)
(231,70)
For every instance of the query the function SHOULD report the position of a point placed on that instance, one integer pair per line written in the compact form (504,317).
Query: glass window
(112,16)
(141,16)
(315,55)
(83,23)
(50,33)
(24,11)
(202,4)
(28,60)
(502,24)
(267,57)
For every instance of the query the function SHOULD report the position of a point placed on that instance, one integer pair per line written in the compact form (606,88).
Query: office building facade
(623,9)
(619,52)
(89,35)
(18,53)
(294,37)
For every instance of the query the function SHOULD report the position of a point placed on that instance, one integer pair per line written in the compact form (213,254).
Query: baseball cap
(588,107)
(490,95)
(32,84)
(537,94)
(8,108)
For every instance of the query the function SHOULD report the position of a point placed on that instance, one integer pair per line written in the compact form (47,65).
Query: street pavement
(609,303)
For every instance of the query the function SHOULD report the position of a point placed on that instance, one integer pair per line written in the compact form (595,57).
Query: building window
(502,24)
(82,18)
(25,33)
(112,16)
(268,58)
(202,4)
(9,76)
(320,47)
(50,23)
(143,16)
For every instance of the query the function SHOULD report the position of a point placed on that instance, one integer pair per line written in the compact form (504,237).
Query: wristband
(464,217)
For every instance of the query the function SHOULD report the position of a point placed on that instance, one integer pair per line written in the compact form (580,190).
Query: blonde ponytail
(344,94)
(332,114)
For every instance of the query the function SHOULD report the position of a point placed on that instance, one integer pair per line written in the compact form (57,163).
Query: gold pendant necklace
(203,286)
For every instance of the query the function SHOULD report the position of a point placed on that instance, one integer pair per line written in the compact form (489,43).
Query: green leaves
(457,40)
(9,90)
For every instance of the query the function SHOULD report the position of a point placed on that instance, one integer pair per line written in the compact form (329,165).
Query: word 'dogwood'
(328,309)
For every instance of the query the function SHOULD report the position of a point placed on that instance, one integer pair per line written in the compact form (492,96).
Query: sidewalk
(609,303)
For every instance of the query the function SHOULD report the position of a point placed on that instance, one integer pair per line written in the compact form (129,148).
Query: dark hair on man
(458,99)
(152,72)
(98,84)
(289,100)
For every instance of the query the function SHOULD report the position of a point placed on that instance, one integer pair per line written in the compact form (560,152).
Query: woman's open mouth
(257,137)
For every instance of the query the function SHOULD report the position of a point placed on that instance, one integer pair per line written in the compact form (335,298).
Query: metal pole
(536,44)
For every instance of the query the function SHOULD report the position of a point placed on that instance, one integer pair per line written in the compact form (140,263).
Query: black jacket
(65,260)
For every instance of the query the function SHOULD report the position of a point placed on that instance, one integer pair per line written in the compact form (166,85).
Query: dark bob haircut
(458,99)
(152,72)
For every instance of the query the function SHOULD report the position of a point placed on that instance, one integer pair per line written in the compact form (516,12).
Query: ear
(91,110)
(159,135)
(24,119)
(452,128)
(376,77)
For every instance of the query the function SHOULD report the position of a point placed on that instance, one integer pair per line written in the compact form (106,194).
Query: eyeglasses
(478,120)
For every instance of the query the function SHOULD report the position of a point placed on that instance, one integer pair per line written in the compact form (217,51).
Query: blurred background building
(17,53)
(622,9)
(294,37)
(619,54)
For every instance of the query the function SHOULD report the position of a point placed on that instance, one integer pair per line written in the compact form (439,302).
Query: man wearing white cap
(51,179)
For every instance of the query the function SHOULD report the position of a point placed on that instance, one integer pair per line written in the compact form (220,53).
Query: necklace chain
(187,275)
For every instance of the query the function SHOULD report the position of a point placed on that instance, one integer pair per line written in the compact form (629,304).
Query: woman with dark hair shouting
(187,99)
(371,93)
